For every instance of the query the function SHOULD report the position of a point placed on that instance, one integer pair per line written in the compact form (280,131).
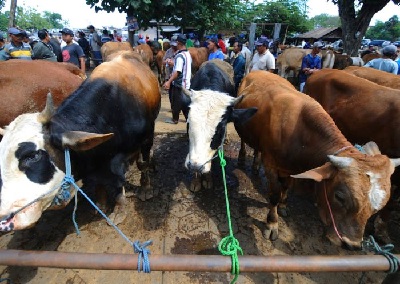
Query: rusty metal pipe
(210,263)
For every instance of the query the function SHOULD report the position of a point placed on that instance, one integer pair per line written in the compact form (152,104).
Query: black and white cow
(106,123)
(216,75)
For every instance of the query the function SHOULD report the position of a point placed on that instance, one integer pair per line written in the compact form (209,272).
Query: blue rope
(143,252)
(371,245)
(140,249)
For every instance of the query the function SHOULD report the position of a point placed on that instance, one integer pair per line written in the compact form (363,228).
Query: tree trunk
(354,26)
(13,8)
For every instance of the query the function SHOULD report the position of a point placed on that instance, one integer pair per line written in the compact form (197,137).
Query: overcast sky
(79,15)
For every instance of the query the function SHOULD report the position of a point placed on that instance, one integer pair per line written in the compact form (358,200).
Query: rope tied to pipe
(143,253)
(140,249)
(229,246)
(371,245)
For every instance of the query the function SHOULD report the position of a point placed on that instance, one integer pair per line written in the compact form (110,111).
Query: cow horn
(395,162)
(187,92)
(237,100)
(2,131)
(48,111)
(340,162)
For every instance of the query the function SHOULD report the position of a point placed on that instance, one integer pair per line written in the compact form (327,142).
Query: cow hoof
(283,211)
(195,185)
(118,216)
(144,193)
(207,184)
(271,232)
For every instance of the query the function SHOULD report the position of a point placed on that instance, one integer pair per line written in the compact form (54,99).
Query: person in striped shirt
(16,48)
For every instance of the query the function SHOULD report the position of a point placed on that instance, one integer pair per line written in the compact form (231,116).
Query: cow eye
(340,198)
(30,158)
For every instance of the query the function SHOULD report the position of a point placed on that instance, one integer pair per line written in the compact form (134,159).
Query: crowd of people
(72,47)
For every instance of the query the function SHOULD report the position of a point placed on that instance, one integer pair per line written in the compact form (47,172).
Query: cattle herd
(107,122)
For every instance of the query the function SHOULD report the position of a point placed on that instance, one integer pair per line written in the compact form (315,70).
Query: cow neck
(342,149)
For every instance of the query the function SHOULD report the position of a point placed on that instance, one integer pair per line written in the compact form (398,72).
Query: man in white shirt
(263,58)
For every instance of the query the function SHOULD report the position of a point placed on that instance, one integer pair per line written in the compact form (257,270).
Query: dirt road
(181,222)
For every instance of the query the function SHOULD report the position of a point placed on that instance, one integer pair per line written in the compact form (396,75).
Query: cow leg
(207,180)
(271,231)
(119,213)
(256,162)
(143,163)
(283,210)
(195,184)
(242,154)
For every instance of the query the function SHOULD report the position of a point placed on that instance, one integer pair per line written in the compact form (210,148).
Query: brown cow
(377,76)
(199,55)
(291,59)
(160,66)
(146,52)
(112,46)
(342,61)
(363,111)
(368,57)
(294,135)
(27,92)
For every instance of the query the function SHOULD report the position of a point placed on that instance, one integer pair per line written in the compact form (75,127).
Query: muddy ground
(181,222)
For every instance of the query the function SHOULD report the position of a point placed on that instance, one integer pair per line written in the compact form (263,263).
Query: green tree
(389,30)
(356,16)
(55,19)
(325,21)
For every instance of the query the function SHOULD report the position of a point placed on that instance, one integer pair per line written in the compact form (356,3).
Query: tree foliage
(356,16)
(325,21)
(389,30)
(30,19)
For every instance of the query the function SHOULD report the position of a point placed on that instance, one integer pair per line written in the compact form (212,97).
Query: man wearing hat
(179,79)
(3,55)
(17,48)
(386,63)
(95,45)
(214,51)
(263,58)
(311,63)
(71,52)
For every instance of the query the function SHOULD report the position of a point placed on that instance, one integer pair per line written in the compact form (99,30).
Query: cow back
(199,55)
(25,85)
(145,52)
(363,111)
(377,76)
(368,57)
(216,75)
(111,47)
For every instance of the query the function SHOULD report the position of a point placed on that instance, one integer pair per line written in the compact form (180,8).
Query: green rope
(229,245)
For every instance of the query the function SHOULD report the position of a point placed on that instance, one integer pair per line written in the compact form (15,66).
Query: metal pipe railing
(210,263)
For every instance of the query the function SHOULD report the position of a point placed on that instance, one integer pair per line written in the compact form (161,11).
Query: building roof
(322,33)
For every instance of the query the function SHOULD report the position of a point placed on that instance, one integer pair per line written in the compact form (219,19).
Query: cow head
(30,167)
(210,111)
(354,187)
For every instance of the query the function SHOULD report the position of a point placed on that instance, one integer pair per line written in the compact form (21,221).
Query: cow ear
(317,174)
(47,113)
(371,149)
(242,115)
(83,141)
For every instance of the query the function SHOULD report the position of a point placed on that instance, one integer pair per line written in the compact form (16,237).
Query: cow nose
(195,167)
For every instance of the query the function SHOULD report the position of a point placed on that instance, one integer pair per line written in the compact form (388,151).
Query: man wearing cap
(3,55)
(263,58)
(95,44)
(43,49)
(386,63)
(311,63)
(213,48)
(179,79)
(16,48)
(71,52)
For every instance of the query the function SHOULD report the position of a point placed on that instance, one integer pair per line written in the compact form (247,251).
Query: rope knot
(143,253)
(221,158)
(371,245)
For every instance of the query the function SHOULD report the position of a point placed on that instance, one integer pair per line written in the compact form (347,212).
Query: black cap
(67,31)
(214,40)
(181,38)
(90,27)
